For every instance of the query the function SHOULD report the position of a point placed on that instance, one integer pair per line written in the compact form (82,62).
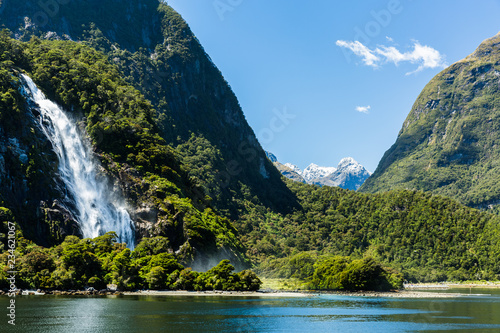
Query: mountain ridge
(348,174)
(165,62)
(170,135)
(449,142)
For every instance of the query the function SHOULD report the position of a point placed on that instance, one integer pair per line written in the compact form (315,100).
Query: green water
(326,313)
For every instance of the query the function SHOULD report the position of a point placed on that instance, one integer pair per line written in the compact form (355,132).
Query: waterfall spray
(94,207)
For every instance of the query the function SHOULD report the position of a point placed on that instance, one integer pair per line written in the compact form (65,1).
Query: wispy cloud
(423,55)
(363,109)
(369,58)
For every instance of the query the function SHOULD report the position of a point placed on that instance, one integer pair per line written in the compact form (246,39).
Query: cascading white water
(95,211)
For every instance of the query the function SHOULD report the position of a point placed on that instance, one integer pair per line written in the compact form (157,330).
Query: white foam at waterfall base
(94,209)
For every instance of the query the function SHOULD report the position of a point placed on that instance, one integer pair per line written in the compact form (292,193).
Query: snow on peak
(349,174)
(347,160)
(350,165)
(294,168)
(314,171)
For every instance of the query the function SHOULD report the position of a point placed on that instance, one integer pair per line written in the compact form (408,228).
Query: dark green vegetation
(79,263)
(328,272)
(426,237)
(449,143)
(119,121)
(171,136)
(195,109)
(342,273)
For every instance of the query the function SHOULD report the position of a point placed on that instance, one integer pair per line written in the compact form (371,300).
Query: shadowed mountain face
(450,141)
(130,24)
(196,110)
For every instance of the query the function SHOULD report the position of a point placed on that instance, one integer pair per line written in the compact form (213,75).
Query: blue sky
(343,75)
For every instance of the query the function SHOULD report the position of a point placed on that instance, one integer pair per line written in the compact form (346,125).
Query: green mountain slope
(450,141)
(196,110)
(171,136)
(427,237)
(165,200)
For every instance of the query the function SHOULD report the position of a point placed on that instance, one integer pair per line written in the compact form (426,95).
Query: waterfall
(93,205)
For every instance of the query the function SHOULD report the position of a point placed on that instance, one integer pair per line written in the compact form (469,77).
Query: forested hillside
(172,140)
(427,237)
(450,141)
(195,108)
(126,140)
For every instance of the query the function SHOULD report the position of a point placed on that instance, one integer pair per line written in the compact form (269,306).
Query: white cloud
(423,55)
(359,49)
(363,109)
(389,39)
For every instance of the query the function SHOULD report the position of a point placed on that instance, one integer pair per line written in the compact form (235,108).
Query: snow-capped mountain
(348,174)
(293,167)
(314,171)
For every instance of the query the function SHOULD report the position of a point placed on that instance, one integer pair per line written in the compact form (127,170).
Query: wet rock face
(59,220)
(28,168)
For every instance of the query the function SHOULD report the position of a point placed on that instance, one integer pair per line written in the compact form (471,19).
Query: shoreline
(417,290)
(398,294)
(258,294)
(219,293)
(301,294)
(452,285)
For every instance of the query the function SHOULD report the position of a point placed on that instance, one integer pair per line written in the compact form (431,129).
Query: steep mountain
(314,171)
(195,109)
(450,141)
(349,174)
(168,136)
(117,123)
(289,172)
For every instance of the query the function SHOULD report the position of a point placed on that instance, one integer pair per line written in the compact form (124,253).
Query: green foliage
(427,237)
(342,273)
(328,272)
(122,127)
(185,102)
(196,111)
(80,263)
(152,246)
(449,142)
(221,278)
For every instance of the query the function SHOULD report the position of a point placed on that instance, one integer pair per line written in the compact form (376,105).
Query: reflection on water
(326,313)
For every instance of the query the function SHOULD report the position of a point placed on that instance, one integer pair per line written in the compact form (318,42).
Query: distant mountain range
(348,174)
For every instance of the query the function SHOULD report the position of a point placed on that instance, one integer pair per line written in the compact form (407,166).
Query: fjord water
(324,313)
(94,207)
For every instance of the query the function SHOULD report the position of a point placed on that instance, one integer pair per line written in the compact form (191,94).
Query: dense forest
(118,120)
(171,137)
(81,263)
(427,237)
